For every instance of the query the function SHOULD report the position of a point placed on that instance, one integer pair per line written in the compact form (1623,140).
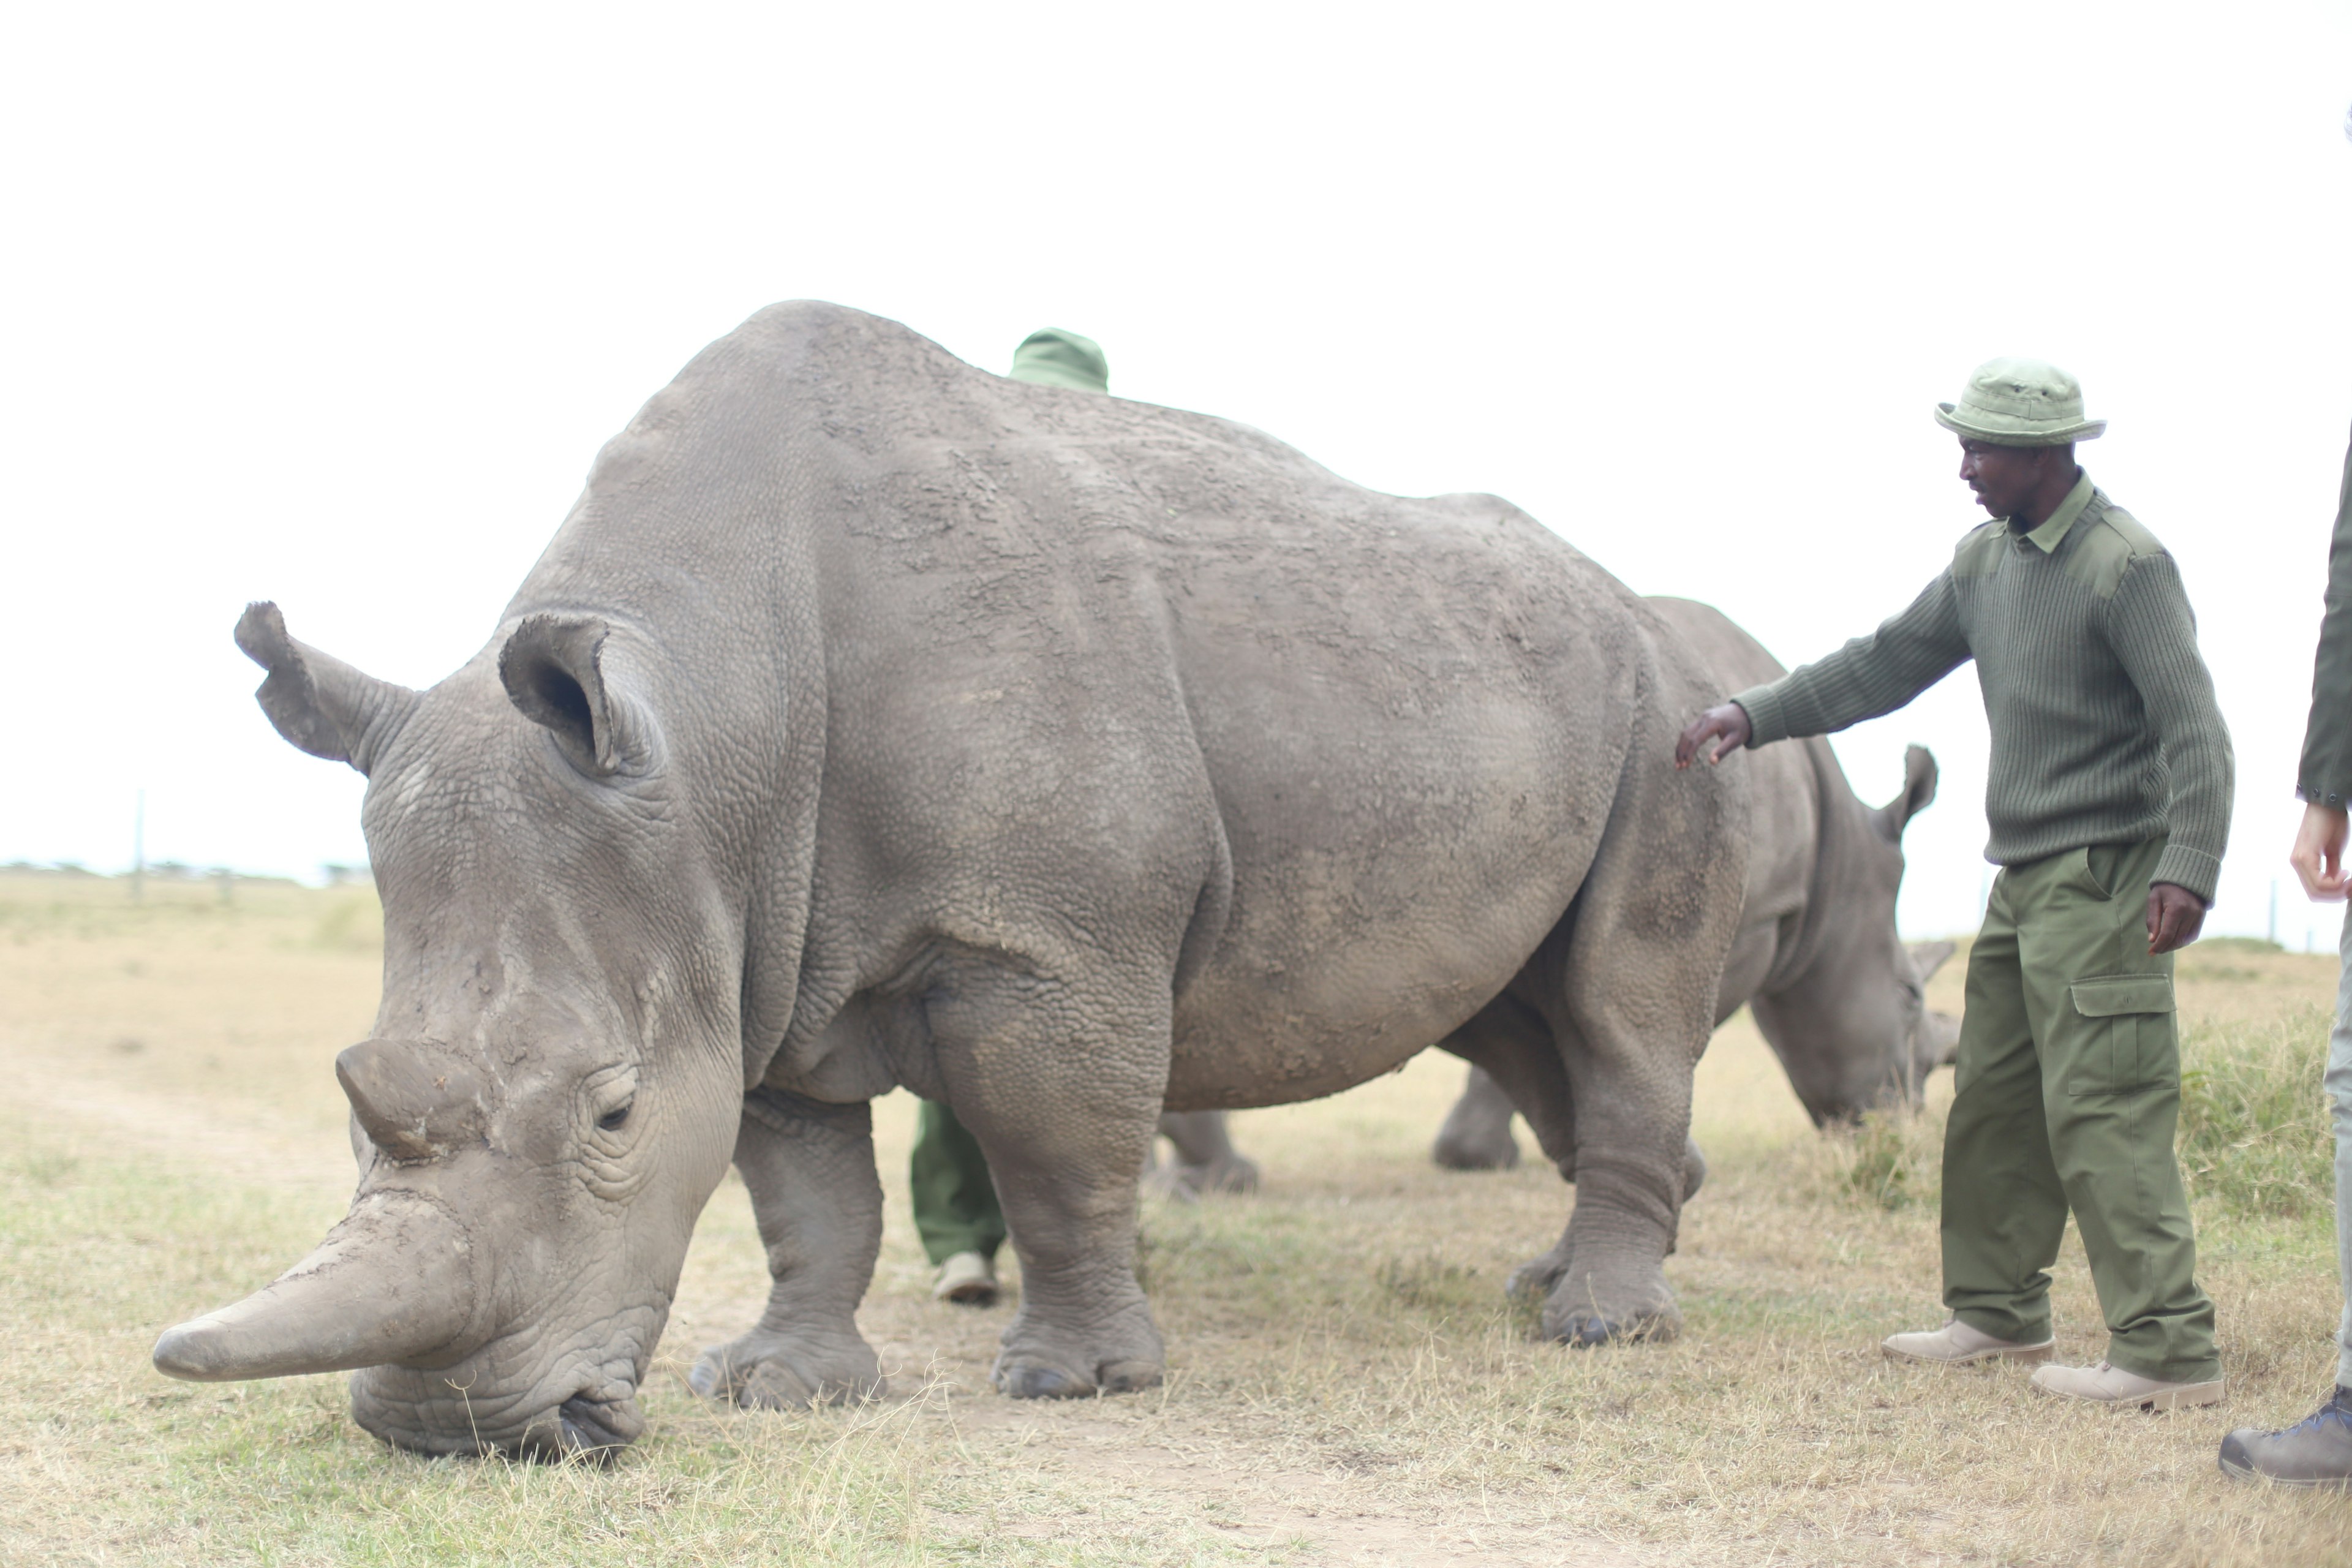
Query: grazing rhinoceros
(875,721)
(1834,993)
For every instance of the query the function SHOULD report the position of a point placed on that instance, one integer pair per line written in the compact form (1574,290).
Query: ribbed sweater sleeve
(2153,635)
(2325,775)
(1868,676)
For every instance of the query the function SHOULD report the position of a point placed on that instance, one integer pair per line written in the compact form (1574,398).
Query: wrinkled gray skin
(874,720)
(1834,993)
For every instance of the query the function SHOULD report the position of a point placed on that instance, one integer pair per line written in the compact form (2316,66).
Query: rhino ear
(554,669)
(1926,957)
(320,703)
(1918,794)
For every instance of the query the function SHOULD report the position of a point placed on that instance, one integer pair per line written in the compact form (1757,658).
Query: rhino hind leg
(810,1169)
(1476,1134)
(1206,1160)
(1627,983)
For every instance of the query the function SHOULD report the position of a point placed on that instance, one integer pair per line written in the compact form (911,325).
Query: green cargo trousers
(2068,1092)
(955,1201)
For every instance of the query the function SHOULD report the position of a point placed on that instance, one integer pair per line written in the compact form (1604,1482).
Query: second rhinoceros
(874,720)
(1835,994)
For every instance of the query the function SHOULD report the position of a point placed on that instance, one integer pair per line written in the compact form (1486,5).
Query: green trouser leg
(955,1201)
(2068,1095)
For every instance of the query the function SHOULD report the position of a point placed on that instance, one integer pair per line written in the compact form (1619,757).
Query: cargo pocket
(2126,1039)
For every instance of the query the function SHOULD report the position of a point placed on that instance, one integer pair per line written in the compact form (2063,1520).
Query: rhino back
(1079,674)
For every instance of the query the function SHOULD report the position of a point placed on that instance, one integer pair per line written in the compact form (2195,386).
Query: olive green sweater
(2104,725)
(2324,777)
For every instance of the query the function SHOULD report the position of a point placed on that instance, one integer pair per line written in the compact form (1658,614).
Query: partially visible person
(956,1211)
(2108,798)
(2317,1451)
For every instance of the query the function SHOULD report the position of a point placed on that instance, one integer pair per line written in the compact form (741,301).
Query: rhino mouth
(585,1427)
(593,1425)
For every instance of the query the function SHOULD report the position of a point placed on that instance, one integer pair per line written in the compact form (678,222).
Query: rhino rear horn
(415,1100)
(393,1284)
(1919,773)
(318,703)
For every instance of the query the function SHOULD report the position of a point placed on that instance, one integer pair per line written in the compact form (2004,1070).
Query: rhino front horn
(393,1283)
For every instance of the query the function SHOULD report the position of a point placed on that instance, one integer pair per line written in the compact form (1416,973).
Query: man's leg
(2317,1452)
(2004,1213)
(2102,1009)
(956,1211)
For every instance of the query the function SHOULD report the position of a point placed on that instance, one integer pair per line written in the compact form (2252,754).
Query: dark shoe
(2314,1453)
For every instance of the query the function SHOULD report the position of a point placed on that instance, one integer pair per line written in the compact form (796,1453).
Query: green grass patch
(2254,1126)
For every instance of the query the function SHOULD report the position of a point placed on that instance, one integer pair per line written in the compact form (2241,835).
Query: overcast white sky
(334,306)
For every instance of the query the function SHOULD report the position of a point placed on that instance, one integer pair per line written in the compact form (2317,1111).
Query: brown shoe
(1957,1344)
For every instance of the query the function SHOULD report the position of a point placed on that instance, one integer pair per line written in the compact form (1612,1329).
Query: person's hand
(1725,725)
(2319,854)
(2175,916)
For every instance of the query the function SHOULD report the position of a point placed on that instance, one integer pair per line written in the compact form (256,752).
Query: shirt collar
(2053,528)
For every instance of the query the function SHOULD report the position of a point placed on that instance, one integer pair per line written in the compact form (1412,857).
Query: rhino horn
(416,1100)
(393,1283)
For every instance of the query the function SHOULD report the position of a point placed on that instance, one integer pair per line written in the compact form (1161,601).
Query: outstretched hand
(2175,916)
(1719,731)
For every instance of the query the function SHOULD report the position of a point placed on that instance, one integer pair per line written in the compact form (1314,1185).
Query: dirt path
(1230,1487)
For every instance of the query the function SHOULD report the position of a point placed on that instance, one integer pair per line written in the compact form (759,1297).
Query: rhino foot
(1028,1380)
(1042,1362)
(781,1371)
(1590,1307)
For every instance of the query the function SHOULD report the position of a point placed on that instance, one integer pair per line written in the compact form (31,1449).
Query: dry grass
(1347,1383)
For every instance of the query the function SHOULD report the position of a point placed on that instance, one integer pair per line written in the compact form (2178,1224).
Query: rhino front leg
(1061,1081)
(810,1169)
(1206,1160)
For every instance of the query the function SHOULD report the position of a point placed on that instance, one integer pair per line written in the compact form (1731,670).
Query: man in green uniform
(2318,1451)
(2109,803)
(956,1211)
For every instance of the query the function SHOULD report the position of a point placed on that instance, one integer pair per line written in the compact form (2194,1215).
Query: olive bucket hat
(2020,403)
(1052,357)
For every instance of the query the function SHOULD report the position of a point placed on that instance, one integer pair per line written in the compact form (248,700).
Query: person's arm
(1869,676)
(2324,779)
(2153,635)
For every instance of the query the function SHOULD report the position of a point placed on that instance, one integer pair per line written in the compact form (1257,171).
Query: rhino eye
(616,1119)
